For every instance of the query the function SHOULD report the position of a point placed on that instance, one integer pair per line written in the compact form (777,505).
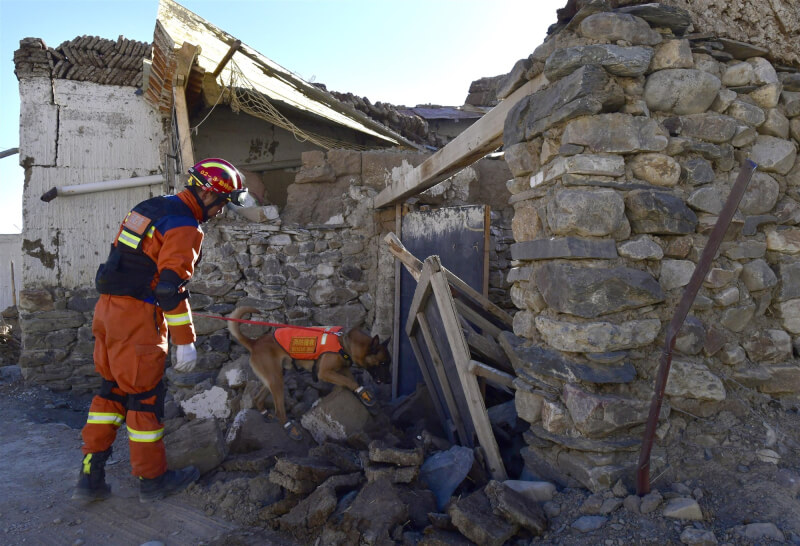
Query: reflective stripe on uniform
(129,239)
(97,418)
(177,320)
(145,435)
(87,463)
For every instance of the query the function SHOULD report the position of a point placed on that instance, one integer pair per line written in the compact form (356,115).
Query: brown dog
(329,356)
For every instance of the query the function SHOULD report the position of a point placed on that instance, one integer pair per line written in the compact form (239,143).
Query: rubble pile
(385,475)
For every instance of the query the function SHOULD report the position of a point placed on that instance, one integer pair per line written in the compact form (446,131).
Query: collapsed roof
(230,62)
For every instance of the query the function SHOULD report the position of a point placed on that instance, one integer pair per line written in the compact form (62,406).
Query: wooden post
(398,219)
(13,286)
(185,58)
(233,49)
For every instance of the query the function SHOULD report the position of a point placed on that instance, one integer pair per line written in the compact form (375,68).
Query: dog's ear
(376,343)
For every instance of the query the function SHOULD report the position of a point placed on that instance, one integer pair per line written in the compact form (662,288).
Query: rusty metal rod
(689,293)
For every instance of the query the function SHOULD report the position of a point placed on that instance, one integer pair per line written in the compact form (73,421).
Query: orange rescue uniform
(131,339)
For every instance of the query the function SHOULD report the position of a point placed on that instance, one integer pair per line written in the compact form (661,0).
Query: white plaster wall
(103,133)
(38,122)
(10,253)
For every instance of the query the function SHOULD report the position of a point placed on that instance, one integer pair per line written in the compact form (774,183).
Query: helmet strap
(205,208)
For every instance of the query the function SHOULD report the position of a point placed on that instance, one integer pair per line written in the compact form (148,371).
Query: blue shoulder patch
(167,212)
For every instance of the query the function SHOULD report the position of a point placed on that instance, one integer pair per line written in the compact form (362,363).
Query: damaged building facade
(617,165)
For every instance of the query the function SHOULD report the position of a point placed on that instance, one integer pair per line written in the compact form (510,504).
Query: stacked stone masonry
(621,166)
(320,261)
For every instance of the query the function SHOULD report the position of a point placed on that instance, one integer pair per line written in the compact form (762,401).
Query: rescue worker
(142,299)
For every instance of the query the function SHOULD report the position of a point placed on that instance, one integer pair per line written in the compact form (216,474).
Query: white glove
(186,357)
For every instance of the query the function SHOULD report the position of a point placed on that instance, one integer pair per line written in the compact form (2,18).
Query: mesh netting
(245,97)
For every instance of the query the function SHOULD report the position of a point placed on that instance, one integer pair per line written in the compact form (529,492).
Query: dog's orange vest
(302,344)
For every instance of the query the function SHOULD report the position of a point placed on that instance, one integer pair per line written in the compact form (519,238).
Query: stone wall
(622,164)
(319,261)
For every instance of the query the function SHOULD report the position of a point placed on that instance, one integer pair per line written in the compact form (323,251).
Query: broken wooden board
(451,373)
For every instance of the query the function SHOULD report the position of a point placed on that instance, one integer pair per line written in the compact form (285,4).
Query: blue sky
(398,51)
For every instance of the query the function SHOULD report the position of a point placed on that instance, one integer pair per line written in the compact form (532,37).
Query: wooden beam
(479,139)
(492,375)
(461,356)
(438,366)
(412,264)
(184,133)
(477,319)
(398,225)
(447,424)
(414,267)
(184,59)
(233,49)
(488,350)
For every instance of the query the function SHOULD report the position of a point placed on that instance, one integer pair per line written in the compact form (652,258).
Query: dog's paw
(366,397)
(293,431)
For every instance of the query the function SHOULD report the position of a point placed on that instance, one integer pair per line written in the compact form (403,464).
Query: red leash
(315,328)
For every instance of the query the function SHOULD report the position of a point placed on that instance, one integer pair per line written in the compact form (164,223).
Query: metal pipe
(10,151)
(107,185)
(685,303)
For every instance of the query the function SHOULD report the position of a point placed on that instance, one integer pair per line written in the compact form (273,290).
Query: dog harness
(302,344)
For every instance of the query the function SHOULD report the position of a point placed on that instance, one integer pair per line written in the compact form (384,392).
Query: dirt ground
(716,460)
(39,461)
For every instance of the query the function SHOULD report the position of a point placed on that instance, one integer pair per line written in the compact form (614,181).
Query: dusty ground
(719,466)
(39,461)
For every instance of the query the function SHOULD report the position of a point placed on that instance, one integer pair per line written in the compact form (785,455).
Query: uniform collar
(189,200)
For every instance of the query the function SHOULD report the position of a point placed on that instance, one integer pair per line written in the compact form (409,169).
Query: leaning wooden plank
(398,224)
(478,298)
(227,57)
(438,366)
(414,266)
(469,383)
(482,137)
(184,59)
(411,263)
(447,424)
(490,374)
(489,351)
(477,319)
(184,134)
(421,295)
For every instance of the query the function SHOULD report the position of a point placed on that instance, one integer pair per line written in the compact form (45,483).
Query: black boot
(92,484)
(167,483)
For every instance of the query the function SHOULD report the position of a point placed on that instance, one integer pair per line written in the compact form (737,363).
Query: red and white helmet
(219,176)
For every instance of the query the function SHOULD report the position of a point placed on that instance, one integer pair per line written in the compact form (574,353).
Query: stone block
(198,442)
(336,416)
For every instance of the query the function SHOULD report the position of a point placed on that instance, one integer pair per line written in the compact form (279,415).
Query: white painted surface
(104,133)
(10,253)
(38,122)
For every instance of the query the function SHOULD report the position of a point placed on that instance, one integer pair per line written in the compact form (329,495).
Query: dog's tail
(233,326)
